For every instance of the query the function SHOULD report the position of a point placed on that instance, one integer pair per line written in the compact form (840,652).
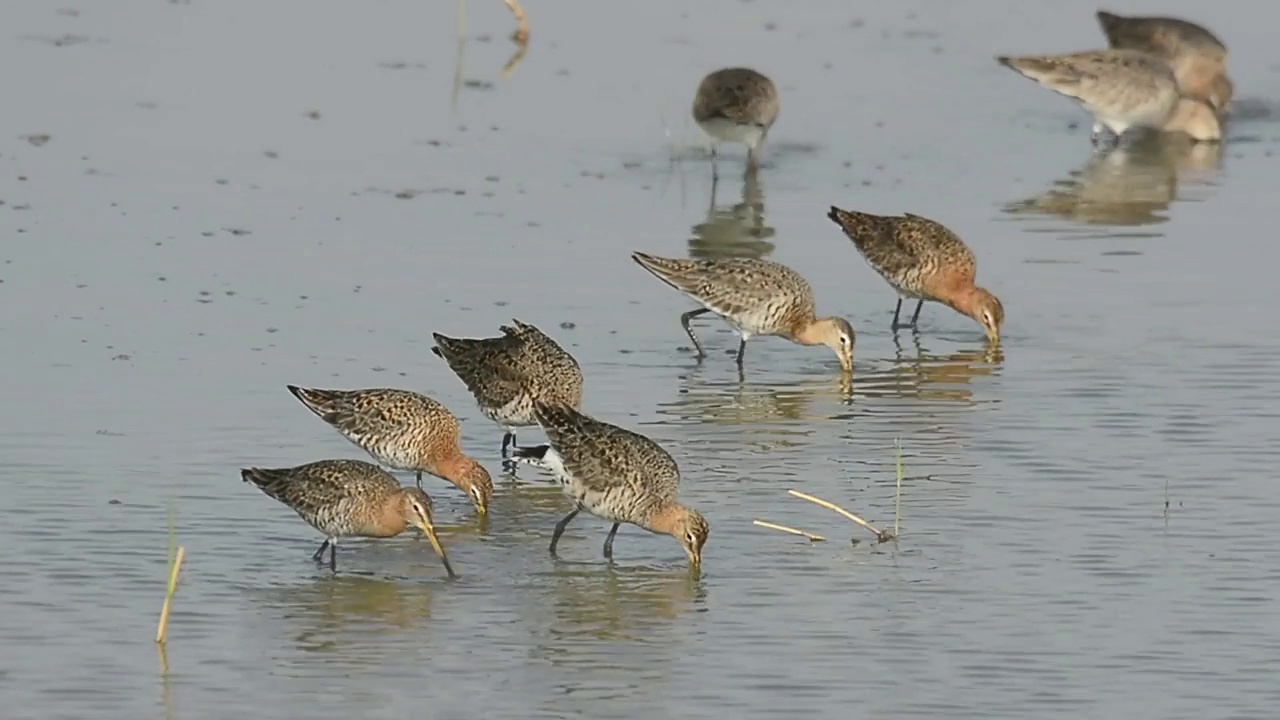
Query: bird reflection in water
(338,612)
(620,602)
(920,375)
(1132,184)
(737,230)
(718,402)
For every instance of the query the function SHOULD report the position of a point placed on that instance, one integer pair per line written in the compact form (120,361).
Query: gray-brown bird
(505,374)
(614,474)
(349,498)
(924,260)
(402,430)
(756,297)
(1122,89)
(737,105)
(1197,56)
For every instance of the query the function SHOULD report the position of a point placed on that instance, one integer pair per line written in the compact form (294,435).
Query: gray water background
(237,195)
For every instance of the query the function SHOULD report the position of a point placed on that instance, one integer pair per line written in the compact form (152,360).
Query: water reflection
(734,230)
(520,37)
(338,610)
(1132,184)
(714,400)
(921,375)
(618,602)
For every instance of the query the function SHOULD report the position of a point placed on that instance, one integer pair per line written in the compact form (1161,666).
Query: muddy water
(233,196)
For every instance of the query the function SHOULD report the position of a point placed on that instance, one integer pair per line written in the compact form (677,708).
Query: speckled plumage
(347,498)
(614,474)
(402,430)
(736,105)
(921,259)
(756,297)
(1197,56)
(1121,89)
(506,373)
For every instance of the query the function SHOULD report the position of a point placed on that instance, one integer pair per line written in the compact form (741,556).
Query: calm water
(237,195)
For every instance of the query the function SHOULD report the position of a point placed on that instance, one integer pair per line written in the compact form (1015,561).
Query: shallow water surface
(234,196)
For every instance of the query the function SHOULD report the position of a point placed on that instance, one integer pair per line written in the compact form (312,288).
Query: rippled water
(235,195)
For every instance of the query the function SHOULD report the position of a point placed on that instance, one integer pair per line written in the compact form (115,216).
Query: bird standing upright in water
(737,105)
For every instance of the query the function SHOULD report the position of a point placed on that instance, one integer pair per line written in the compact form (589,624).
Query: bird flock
(1161,74)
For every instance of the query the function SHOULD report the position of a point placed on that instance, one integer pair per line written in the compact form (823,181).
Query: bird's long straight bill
(430,532)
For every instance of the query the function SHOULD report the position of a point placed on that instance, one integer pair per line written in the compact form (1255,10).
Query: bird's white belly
(729,131)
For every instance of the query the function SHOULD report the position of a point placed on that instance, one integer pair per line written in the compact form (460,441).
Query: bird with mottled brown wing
(322,493)
(484,365)
(732,286)
(601,455)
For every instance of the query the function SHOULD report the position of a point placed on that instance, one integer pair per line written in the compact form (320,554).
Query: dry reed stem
(163,629)
(521,35)
(793,531)
(881,535)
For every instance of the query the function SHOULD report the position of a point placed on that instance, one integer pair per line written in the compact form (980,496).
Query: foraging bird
(756,297)
(505,374)
(348,498)
(1121,89)
(736,105)
(614,474)
(922,259)
(402,430)
(1197,56)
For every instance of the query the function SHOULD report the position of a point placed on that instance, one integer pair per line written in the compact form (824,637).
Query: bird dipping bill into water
(614,474)
(756,297)
(1198,57)
(349,498)
(924,260)
(1121,89)
(736,105)
(402,430)
(506,373)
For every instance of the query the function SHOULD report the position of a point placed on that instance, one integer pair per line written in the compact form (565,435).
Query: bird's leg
(508,441)
(333,556)
(753,159)
(742,348)
(897,309)
(608,542)
(560,526)
(418,475)
(684,321)
(1104,139)
(715,170)
(916,315)
(320,553)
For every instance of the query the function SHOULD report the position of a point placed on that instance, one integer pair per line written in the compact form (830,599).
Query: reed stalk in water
(176,555)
